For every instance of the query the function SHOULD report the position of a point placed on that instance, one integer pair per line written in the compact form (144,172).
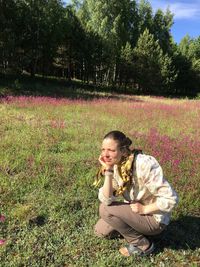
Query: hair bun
(128,141)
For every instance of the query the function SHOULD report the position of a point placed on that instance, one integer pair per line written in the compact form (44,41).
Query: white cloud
(180,9)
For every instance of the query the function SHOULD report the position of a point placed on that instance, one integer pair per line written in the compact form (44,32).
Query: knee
(103,229)
(104,211)
(99,230)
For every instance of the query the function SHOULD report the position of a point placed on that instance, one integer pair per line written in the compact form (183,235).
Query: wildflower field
(48,159)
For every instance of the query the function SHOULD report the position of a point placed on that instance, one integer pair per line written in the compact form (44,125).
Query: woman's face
(110,152)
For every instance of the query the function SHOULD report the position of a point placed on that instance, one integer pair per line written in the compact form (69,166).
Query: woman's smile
(107,160)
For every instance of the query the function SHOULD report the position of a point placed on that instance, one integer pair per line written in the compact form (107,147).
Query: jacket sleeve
(152,175)
(103,199)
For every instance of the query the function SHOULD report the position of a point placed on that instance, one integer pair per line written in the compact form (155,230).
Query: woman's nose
(105,154)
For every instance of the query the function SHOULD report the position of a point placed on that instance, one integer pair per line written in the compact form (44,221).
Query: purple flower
(2,242)
(2,218)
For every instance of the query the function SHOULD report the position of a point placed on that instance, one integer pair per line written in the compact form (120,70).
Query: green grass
(48,160)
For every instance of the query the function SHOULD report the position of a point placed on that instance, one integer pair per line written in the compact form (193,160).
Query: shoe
(134,250)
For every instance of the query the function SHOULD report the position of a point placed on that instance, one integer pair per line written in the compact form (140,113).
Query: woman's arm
(107,186)
(106,191)
(144,209)
(152,176)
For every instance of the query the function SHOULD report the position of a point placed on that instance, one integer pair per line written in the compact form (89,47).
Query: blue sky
(186,16)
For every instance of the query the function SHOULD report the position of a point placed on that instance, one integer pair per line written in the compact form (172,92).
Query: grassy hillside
(48,159)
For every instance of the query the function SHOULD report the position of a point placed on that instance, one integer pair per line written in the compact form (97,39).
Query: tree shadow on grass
(58,88)
(181,234)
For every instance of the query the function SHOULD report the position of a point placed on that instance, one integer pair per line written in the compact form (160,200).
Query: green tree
(38,27)
(193,53)
(188,64)
(119,43)
(73,41)
(8,37)
(109,20)
(126,66)
(184,45)
(162,23)
(145,16)
(155,72)
(31,33)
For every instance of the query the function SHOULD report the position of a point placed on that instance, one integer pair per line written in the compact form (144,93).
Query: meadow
(48,160)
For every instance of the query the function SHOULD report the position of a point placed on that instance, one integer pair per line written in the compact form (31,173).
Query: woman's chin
(109,163)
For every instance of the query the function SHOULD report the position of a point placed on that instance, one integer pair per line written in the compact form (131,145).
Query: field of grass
(48,159)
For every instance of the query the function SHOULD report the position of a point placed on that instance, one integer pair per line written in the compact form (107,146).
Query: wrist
(144,210)
(108,172)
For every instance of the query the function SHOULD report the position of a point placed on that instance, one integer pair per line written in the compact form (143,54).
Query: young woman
(148,198)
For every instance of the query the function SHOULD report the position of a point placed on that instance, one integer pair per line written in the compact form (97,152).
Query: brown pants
(132,226)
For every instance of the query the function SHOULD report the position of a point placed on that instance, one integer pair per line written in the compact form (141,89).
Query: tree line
(116,43)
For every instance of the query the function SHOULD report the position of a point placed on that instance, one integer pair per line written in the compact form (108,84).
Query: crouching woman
(147,199)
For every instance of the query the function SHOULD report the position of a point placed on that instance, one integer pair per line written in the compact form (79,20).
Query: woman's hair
(123,141)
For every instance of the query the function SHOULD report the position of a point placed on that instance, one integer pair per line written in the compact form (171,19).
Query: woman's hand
(104,164)
(138,208)
(107,186)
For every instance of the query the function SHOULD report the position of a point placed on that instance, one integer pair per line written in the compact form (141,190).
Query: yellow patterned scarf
(125,170)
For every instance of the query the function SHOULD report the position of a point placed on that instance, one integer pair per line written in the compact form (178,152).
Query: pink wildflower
(2,242)
(2,218)
(176,162)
